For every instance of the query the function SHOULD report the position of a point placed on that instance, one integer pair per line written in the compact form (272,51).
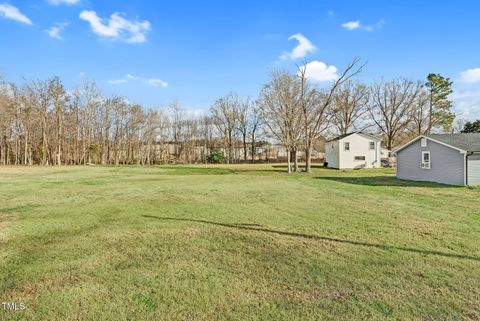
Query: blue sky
(195,51)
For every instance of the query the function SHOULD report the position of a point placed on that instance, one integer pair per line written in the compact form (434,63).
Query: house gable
(418,138)
(446,164)
(359,150)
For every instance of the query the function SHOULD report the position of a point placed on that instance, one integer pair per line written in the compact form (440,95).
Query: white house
(353,150)
(385,152)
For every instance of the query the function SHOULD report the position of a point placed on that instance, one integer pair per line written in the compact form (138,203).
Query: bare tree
(421,113)
(59,99)
(254,126)
(28,117)
(458,125)
(392,107)
(6,122)
(177,119)
(41,91)
(90,99)
(206,133)
(43,123)
(16,129)
(224,113)
(280,111)
(315,106)
(350,107)
(243,122)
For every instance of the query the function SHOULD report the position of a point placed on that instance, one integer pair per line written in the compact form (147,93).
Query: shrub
(94,151)
(216,156)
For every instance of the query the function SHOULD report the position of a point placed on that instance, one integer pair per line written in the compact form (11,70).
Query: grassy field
(235,243)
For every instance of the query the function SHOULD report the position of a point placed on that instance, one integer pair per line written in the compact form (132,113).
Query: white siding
(331,154)
(359,146)
(473,166)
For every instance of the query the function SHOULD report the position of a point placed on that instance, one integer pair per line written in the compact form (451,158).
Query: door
(473,170)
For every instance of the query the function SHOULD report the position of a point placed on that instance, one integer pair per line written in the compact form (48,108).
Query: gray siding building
(443,158)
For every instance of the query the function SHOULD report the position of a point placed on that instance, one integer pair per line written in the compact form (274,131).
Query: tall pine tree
(440,114)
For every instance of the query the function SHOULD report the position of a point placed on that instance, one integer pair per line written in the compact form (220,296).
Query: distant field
(246,242)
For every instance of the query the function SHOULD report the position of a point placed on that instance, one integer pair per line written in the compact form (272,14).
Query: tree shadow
(214,169)
(384,181)
(299,166)
(259,228)
(260,170)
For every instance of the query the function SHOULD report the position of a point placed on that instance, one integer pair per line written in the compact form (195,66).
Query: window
(423,142)
(372,145)
(359,158)
(426,160)
(346,146)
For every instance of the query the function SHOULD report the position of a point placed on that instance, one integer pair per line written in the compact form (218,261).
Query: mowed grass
(240,242)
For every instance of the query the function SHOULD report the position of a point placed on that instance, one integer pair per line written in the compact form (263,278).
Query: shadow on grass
(213,170)
(383,181)
(258,228)
(299,166)
(192,170)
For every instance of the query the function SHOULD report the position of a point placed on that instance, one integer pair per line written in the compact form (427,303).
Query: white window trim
(423,142)
(370,145)
(425,165)
(344,146)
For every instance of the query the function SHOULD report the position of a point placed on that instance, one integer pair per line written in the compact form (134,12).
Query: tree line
(297,112)
(471,127)
(43,123)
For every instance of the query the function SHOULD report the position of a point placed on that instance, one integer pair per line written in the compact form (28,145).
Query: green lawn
(235,243)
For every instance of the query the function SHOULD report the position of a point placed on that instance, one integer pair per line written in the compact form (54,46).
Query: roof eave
(432,139)
(338,138)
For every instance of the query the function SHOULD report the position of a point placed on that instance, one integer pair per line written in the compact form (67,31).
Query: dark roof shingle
(468,142)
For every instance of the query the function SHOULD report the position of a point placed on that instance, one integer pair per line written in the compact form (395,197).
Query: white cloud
(56,30)
(470,75)
(351,25)
(13,13)
(154,82)
(57,2)
(304,47)
(355,24)
(467,104)
(319,71)
(157,82)
(117,27)
(128,76)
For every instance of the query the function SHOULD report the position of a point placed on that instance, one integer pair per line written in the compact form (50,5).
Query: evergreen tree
(472,127)
(440,114)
